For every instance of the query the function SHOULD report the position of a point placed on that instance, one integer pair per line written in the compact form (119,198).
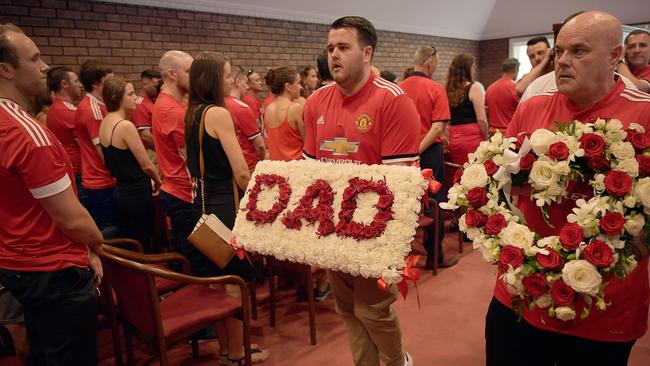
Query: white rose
(562,168)
(474,176)
(540,140)
(642,193)
(542,174)
(544,301)
(565,313)
(622,150)
(630,166)
(517,235)
(582,276)
(635,224)
(637,127)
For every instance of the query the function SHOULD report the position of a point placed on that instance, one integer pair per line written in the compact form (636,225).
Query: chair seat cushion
(11,361)
(424,221)
(195,306)
(165,285)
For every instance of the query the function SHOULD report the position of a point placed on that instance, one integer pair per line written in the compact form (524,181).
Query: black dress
(219,198)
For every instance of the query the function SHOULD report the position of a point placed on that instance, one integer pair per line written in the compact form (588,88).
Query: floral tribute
(357,219)
(566,273)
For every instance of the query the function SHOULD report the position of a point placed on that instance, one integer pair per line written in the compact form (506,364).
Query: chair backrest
(137,297)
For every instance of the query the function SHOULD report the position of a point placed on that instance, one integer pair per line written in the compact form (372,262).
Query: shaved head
(603,26)
(173,60)
(175,70)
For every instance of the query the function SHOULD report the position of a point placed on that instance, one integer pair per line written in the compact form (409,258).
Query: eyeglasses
(435,52)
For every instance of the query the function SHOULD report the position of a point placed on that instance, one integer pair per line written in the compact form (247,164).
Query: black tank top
(218,173)
(464,112)
(124,166)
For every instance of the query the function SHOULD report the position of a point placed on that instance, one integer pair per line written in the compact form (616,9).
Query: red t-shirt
(627,317)
(254,104)
(430,101)
(60,120)
(33,165)
(378,124)
(94,174)
(502,101)
(642,73)
(246,129)
(141,116)
(169,136)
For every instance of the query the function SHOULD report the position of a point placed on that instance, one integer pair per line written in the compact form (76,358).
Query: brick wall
(132,38)
(492,53)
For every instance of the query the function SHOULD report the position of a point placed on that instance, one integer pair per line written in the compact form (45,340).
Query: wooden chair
(181,314)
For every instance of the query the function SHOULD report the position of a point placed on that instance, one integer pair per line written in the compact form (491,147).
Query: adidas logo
(320,120)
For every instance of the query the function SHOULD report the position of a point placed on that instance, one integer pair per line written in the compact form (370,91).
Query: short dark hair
(323,67)
(150,74)
(538,39)
(8,51)
(635,32)
(365,29)
(387,75)
(113,92)
(56,75)
(509,64)
(92,71)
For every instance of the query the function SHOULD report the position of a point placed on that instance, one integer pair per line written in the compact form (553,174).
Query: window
(518,47)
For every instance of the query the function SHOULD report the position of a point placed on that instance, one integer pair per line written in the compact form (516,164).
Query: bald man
(168,129)
(587,50)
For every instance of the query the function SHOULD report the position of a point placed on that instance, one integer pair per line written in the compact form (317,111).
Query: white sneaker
(408,360)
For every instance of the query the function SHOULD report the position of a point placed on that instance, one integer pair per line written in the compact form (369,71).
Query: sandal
(257,355)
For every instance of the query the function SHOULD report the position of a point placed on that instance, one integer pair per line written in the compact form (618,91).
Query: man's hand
(96,265)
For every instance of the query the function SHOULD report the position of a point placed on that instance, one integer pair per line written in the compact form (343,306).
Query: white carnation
(562,168)
(642,193)
(635,224)
(540,141)
(613,125)
(582,276)
(630,166)
(622,150)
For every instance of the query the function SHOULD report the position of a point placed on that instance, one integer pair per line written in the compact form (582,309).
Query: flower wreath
(567,272)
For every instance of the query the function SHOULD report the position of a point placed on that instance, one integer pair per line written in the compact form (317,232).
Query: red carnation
(599,254)
(598,163)
(644,165)
(558,151)
(510,256)
(618,183)
(612,223)
(477,197)
(495,224)
(535,284)
(474,218)
(526,162)
(571,235)
(553,260)
(490,167)
(594,145)
(562,294)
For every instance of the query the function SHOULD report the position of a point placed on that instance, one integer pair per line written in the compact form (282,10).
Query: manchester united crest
(364,122)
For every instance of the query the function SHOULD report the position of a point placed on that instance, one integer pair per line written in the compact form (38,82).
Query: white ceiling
(466,19)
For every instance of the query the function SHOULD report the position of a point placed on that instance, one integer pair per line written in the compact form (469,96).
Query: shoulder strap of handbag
(235,190)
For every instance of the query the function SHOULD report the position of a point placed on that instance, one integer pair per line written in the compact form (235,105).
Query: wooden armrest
(125,243)
(150,258)
(453,165)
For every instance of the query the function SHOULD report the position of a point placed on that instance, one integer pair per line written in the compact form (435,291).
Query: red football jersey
(141,116)
(430,101)
(246,129)
(642,73)
(254,104)
(169,136)
(33,165)
(502,102)
(378,124)
(60,120)
(89,115)
(627,318)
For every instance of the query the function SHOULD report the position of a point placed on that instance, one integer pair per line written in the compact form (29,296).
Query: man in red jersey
(252,96)
(65,85)
(588,48)
(168,129)
(432,105)
(95,177)
(636,64)
(365,120)
(141,116)
(248,133)
(46,233)
(501,98)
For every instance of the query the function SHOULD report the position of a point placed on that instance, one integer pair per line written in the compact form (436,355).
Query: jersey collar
(616,90)
(360,93)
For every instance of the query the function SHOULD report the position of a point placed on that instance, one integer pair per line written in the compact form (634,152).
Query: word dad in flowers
(357,219)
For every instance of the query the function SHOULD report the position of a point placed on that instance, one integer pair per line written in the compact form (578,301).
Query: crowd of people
(101,167)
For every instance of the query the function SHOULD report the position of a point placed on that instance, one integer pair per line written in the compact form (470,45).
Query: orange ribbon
(240,251)
(409,273)
(433,186)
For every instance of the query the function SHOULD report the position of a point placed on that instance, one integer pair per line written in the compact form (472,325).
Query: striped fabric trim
(307,156)
(254,136)
(33,128)
(51,189)
(384,84)
(140,128)
(240,103)
(70,106)
(322,88)
(95,106)
(634,98)
(636,93)
(399,159)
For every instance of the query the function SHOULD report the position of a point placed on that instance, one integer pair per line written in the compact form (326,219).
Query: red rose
(612,223)
(520,140)
(558,151)
(571,235)
(475,218)
(477,197)
(458,175)
(598,163)
(495,224)
(593,144)
(526,162)
(510,256)
(618,183)
(639,140)
(644,165)
(599,254)
(535,284)
(553,260)
(562,294)
(490,167)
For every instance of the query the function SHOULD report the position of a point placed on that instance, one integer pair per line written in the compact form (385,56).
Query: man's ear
(367,54)
(615,55)
(7,71)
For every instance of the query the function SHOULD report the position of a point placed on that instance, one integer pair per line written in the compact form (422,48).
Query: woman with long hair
(468,126)
(225,174)
(283,123)
(308,80)
(127,160)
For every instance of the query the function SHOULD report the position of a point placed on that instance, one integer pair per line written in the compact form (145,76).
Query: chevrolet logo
(340,146)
